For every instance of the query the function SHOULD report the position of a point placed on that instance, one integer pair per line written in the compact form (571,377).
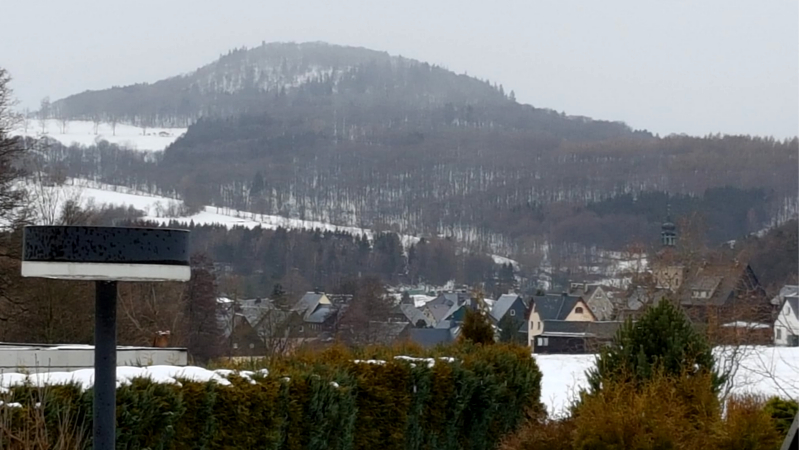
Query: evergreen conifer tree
(476,328)
(663,342)
(509,330)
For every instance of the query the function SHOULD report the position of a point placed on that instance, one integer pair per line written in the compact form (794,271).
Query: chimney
(161,339)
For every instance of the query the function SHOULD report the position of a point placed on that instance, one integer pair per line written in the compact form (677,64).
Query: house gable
(580,313)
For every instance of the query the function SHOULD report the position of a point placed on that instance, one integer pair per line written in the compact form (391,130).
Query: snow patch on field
(762,370)
(82,132)
(125,374)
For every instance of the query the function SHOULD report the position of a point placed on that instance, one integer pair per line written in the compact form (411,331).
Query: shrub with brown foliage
(656,415)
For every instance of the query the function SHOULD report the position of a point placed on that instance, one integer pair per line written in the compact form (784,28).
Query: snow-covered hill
(158,208)
(84,133)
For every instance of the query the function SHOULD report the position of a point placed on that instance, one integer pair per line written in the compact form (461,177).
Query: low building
(564,337)
(37,358)
(559,307)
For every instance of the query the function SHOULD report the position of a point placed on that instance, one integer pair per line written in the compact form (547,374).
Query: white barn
(786,327)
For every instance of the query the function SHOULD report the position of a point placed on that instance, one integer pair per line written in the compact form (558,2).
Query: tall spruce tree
(477,328)
(663,342)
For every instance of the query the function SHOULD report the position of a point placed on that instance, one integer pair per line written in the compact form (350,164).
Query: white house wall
(787,323)
(55,359)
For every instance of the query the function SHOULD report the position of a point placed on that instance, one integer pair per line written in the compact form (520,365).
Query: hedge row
(322,401)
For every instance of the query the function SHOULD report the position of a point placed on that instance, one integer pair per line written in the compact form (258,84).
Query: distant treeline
(300,260)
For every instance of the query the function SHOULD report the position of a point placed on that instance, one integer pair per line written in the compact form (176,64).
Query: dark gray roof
(414,315)
(502,305)
(387,332)
(563,327)
(706,283)
(320,315)
(439,311)
(450,298)
(430,337)
(642,296)
(603,330)
(306,305)
(554,306)
(446,324)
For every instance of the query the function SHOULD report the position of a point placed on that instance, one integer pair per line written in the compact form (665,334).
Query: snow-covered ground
(82,132)
(48,201)
(762,370)
(156,207)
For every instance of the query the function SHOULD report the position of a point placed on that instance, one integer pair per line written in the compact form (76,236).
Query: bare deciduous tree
(113,120)
(96,120)
(44,113)
(12,194)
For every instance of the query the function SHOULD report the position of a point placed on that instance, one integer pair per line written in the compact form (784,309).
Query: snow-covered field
(82,132)
(762,370)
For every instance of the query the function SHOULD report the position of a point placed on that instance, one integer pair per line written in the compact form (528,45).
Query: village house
(513,309)
(241,340)
(596,296)
(786,324)
(555,307)
(722,296)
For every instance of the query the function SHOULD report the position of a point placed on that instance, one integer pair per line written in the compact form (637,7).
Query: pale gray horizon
(718,66)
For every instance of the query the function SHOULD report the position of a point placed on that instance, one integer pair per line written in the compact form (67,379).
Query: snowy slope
(155,208)
(81,132)
(48,201)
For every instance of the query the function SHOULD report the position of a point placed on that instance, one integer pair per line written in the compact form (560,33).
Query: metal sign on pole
(105,255)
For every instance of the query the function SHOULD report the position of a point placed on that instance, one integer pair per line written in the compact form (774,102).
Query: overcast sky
(666,66)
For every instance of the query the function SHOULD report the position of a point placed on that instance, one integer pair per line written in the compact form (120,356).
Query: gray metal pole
(105,365)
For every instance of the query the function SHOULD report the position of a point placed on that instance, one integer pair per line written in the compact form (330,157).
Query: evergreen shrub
(325,400)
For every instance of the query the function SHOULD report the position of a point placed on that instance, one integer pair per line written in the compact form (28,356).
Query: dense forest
(300,260)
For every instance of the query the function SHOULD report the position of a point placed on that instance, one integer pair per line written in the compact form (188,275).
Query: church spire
(668,232)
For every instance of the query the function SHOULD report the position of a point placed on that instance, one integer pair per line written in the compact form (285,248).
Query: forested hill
(357,137)
(345,80)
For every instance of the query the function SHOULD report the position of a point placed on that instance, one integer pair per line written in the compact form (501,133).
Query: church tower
(669,235)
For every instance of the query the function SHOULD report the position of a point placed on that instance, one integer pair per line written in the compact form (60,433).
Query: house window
(541,342)
(512,313)
(778,333)
(540,325)
(579,310)
(300,329)
(235,345)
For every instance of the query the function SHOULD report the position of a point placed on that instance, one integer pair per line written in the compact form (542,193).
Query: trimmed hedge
(313,401)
